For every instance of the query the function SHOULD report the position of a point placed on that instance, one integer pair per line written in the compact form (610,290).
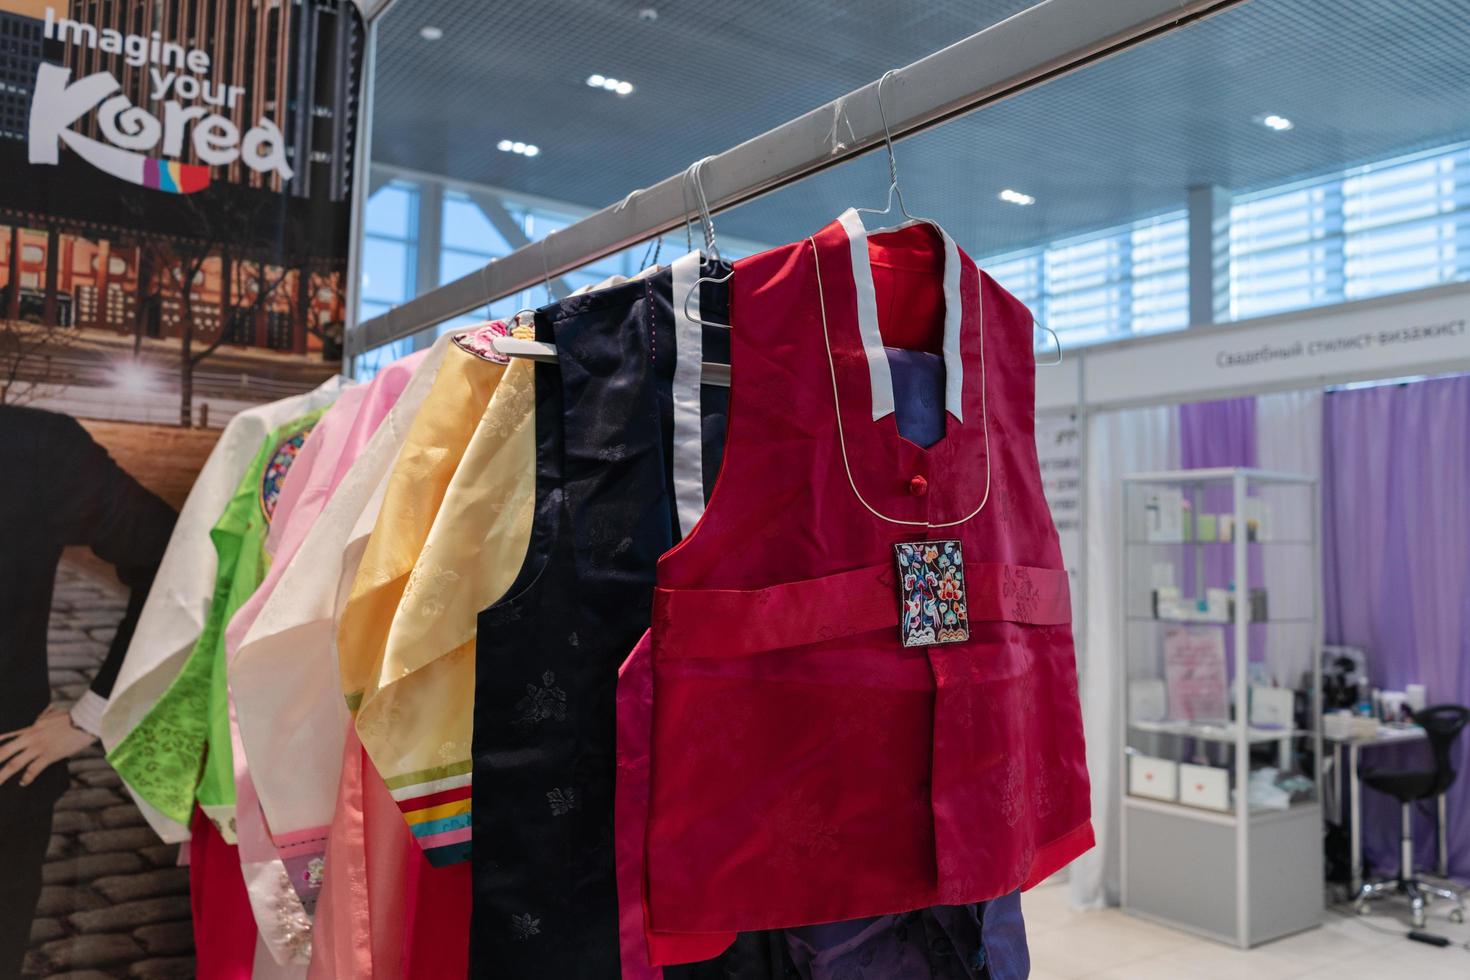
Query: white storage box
(1204,786)
(1153,777)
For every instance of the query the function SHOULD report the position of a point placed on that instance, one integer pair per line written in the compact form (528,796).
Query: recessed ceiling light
(1016,197)
(429,33)
(531,150)
(517,147)
(610,84)
(1279,123)
(504,146)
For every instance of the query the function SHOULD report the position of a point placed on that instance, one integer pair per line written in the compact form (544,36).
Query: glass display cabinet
(1221,633)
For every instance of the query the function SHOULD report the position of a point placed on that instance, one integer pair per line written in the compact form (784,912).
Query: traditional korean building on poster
(174,222)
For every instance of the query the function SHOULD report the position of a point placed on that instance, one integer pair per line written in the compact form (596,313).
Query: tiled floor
(1107,944)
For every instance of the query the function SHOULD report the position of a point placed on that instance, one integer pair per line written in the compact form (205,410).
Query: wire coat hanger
(695,176)
(894,190)
(1054,336)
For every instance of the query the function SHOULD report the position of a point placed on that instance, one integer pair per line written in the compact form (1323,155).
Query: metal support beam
(428,238)
(362,154)
(378,178)
(374,9)
(1050,39)
(1209,255)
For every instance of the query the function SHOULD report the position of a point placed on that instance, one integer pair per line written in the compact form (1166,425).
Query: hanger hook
(1059,346)
(894,190)
(514,321)
(893,186)
(688,209)
(706,214)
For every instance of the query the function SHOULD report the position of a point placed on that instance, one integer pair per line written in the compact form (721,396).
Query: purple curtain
(1215,434)
(1396,557)
(1219,433)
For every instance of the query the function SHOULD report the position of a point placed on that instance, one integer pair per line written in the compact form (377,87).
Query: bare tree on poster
(227,229)
(323,278)
(28,347)
(28,359)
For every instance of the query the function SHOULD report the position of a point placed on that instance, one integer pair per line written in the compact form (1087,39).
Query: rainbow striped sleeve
(436,804)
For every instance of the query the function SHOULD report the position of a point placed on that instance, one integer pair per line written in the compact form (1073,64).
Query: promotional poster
(175,179)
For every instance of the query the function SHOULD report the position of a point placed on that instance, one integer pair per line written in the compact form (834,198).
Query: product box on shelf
(1153,777)
(1272,707)
(1148,700)
(1204,786)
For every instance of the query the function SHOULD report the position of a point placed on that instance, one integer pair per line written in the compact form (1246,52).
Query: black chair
(1442,724)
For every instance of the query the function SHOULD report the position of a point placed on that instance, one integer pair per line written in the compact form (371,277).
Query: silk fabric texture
(415,917)
(284,678)
(178,602)
(547,654)
(180,752)
(956,770)
(283,881)
(286,687)
(468,560)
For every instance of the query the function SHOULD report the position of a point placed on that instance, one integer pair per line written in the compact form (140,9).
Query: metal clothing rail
(1034,46)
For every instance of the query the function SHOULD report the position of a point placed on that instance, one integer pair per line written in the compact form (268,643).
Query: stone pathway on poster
(114,903)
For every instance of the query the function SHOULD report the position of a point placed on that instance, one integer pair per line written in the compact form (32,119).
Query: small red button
(918,486)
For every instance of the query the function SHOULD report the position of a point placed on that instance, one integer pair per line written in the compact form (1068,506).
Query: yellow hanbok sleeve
(421,724)
(415,489)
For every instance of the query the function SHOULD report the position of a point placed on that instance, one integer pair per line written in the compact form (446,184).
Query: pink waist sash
(707,623)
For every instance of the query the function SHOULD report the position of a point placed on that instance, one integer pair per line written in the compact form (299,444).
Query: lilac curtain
(1219,433)
(1396,557)
(1215,434)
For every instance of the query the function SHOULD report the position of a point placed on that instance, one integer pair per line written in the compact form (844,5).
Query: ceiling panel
(1361,79)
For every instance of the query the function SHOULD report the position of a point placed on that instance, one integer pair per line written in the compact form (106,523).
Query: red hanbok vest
(808,767)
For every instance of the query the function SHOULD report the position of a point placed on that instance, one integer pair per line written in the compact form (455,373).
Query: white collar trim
(867,311)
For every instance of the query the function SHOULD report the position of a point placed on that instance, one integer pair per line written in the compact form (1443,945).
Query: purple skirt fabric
(964,942)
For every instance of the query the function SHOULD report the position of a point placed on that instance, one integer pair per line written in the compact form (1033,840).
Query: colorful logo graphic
(176,83)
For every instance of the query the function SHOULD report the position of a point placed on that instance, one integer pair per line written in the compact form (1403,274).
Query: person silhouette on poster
(60,488)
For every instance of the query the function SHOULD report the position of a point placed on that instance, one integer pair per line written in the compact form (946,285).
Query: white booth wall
(1123,400)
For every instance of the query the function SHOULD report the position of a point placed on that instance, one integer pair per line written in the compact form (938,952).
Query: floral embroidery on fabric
(1005,503)
(481,342)
(1041,794)
(1012,793)
(541,704)
(453,751)
(525,926)
(1021,591)
(427,583)
(502,614)
(276,469)
(932,607)
(563,801)
(314,870)
(802,830)
(292,927)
